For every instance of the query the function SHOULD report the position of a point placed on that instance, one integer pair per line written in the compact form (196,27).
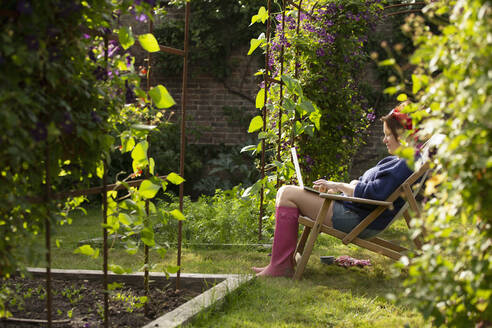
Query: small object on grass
(327,259)
(347,261)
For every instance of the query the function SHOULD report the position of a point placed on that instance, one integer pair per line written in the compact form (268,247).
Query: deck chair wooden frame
(312,228)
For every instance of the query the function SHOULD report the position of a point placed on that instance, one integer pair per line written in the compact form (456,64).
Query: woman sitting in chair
(376,183)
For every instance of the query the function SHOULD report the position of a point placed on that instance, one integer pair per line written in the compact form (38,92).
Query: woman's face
(389,139)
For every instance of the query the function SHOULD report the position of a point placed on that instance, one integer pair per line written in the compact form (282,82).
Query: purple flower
(271,63)
(283,41)
(320,52)
(309,160)
(105,30)
(310,28)
(141,18)
(128,60)
(112,50)
(86,36)
(371,117)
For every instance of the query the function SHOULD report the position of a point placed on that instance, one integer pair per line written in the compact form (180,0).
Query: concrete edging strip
(190,309)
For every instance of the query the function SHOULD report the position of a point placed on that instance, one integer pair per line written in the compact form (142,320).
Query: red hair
(396,120)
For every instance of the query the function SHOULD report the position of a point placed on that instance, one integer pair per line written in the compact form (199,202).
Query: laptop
(298,171)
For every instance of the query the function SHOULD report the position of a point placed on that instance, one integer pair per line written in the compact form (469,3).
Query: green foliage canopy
(451,281)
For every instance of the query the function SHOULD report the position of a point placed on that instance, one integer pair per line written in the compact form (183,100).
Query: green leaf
(177,215)
(151,166)
(87,250)
(261,16)
(118,269)
(147,236)
(387,62)
(143,127)
(255,124)
(115,285)
(100,169)
(260,98)
(125,37)
(131,247)
(255,43)
(392,90)
(402,97)
(139,153)
(307,106)
(293,85)
(148,189)
(162,251)
(416,85)
(161,97)
(248,148)
(127,144)
(172,269)
(315,117)
(174,178)
(125,219)
(148,42)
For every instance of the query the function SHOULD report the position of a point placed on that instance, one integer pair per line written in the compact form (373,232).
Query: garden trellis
(49,196)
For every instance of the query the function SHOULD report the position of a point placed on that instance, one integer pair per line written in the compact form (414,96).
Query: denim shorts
(345,220)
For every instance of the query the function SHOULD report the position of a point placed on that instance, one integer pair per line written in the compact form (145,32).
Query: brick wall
(217,109)
(208,100)
(371,152)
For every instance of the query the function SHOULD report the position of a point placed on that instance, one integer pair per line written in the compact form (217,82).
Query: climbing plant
(324,112)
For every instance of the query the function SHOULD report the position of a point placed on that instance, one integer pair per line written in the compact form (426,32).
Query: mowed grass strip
(326,296)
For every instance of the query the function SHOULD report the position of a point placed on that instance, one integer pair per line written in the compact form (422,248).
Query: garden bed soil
(80,303)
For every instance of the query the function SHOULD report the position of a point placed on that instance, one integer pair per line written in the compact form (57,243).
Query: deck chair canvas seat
(313,227)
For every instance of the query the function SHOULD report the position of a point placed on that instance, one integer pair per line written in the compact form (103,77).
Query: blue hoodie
(378,183)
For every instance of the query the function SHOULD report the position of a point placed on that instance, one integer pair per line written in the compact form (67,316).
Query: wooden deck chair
(312,228)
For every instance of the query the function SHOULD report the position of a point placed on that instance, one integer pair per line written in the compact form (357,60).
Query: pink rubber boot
(284,243)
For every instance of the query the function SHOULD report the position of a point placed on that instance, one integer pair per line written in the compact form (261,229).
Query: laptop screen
(296,166)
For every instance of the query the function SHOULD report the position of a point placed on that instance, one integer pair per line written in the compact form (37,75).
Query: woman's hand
(335,187)
(326,186)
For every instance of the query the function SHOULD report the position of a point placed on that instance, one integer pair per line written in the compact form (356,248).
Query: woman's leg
(307,202)
(291,200)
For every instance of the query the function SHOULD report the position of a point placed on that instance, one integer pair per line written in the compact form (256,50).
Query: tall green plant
(67,92)
(451,280)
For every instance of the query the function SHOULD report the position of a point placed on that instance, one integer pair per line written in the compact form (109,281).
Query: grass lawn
(327,296)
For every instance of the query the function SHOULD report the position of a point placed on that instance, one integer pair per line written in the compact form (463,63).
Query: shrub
(451,281)
(225,218)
